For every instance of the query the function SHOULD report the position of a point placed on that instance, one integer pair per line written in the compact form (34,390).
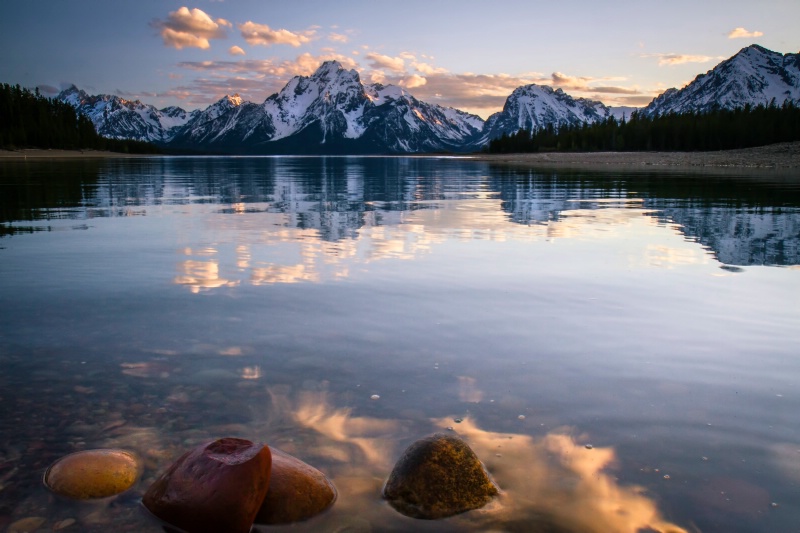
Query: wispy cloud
(680,59)
(741,33)
(261,34)
(236,51)
(481,94)
(338,38)
(187,28)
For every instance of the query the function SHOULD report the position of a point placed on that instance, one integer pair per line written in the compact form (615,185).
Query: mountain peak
(754,76)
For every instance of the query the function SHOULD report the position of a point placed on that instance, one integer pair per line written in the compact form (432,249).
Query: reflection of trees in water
(742,221)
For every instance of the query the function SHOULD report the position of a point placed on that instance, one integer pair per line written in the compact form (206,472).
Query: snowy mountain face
(117,118)
(532,107)
(754,76)
(330,111)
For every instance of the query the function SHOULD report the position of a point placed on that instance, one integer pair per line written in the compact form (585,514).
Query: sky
(465,54)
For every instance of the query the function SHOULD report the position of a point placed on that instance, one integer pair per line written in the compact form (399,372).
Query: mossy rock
(93,474)
(437,477)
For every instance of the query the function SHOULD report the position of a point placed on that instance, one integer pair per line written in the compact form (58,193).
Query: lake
(620,348)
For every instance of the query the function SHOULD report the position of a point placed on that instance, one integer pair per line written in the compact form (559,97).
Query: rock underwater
(297,491)
(218,486)
(93,474)
(438,476)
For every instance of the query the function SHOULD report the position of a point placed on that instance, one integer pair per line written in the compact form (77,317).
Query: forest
(30,120)
(721,129)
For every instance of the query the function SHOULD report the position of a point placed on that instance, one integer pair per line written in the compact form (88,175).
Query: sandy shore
(63,154)
(775,156)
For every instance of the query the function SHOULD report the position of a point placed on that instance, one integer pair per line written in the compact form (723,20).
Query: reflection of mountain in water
(741,221)
(757,236)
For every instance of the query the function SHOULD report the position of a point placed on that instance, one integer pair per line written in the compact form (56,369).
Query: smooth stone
(297,491)
(437,477)
(26,525)
(216,487)
(93,474)
(63,524)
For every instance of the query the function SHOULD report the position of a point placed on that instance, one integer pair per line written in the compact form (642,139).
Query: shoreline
(782,156)
(42,153)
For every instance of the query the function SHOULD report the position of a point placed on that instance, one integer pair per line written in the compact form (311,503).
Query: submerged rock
(92,474)
(216,487)
(297,491)
(437,477)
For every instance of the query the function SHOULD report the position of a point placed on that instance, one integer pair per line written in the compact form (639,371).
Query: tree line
(721,129)
(30,120)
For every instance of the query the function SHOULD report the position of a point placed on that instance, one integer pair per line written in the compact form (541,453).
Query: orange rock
(297,491)
(93,474)
(217,487)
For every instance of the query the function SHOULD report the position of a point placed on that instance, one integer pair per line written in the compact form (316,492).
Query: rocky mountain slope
(754,76)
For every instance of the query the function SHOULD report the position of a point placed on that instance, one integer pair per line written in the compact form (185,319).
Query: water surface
(153,304)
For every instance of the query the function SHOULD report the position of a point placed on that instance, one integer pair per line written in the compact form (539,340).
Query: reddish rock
(216,487)
(297,491)
(437,477)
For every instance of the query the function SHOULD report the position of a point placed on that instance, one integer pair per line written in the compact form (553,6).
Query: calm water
(153,304)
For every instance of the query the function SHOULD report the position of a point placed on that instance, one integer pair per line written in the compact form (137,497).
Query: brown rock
(93,474)
(218,486)
(297,491)
(437,477)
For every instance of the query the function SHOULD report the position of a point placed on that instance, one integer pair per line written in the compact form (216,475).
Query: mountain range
(333,112)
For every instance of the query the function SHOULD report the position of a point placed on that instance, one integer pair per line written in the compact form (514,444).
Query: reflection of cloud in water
(468,391)
(558,478)
(662,256)
(551,483)
(202,275)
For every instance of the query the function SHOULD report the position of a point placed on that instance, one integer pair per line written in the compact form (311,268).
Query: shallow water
(154,304)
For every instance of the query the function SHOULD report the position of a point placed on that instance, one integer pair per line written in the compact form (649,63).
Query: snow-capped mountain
(330,111)
(117,118)
(754,76)
(532,107)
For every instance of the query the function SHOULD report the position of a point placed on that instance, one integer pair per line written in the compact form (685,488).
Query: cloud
(741,33)
(186,28)
(49,90)
(253,79)
(236,51)
(261,34)
(415,80)
(379,61)
(338,38)
(481,94)
(680,59)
